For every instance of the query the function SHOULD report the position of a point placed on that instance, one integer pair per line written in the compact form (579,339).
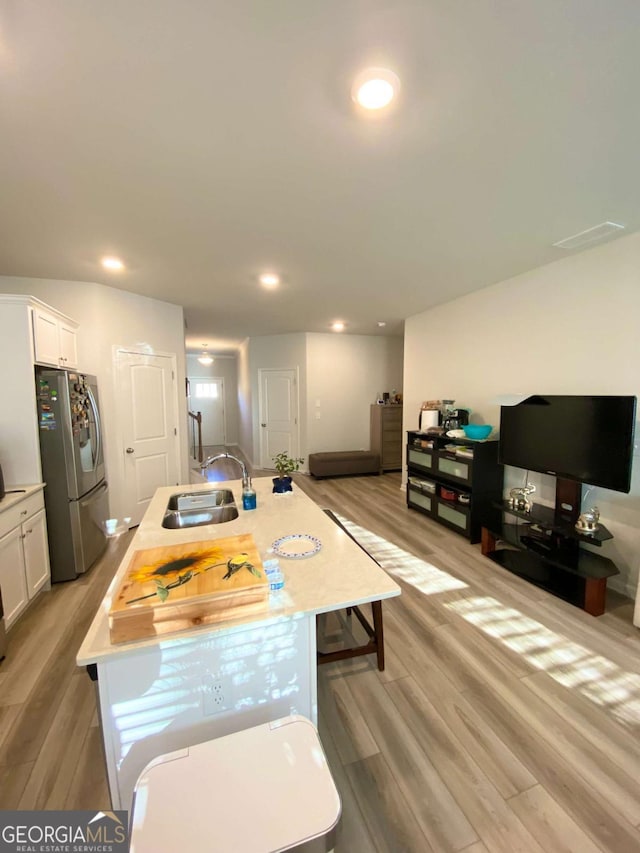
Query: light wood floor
(506,720)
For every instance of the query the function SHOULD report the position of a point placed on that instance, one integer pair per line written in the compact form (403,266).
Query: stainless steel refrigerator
(71,449)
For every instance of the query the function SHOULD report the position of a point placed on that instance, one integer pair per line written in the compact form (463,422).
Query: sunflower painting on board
(157,575)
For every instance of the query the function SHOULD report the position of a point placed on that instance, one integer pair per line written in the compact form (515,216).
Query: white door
(45,338)
(278,414)
(12,579)
(147,412)
(36,552)
(207,396)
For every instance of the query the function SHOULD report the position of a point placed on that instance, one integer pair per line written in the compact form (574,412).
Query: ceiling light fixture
(375,88)
(381,324)
(205,358)
(269,279)
(112,264)
(338,326)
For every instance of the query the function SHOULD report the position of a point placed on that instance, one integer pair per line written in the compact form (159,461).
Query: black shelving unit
(549,552)
(456,482)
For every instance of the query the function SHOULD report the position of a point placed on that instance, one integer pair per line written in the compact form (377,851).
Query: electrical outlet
(216,694)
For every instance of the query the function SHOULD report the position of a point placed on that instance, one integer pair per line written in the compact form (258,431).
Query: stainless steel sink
(177,519)
(192,509)
(199,500)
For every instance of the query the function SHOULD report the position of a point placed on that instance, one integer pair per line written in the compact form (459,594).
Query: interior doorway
(279,428)
(146,402)
(207,396)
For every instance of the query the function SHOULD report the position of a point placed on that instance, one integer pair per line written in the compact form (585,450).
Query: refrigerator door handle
(96,415)
(93,494)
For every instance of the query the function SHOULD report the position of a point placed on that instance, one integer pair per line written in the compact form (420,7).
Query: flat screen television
(586,439)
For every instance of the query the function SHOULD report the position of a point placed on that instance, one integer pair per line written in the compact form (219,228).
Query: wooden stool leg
(376,607)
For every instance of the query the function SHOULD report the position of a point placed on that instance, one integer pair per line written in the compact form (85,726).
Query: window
(207,389)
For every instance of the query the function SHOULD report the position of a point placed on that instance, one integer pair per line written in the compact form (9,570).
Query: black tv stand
(544,547)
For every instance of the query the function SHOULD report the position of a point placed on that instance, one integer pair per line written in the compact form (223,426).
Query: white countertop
(339,575)
(23,492)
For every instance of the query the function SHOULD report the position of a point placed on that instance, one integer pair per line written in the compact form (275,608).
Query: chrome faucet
(246,480)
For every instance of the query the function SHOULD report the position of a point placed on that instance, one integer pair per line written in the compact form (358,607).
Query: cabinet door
(36,552)
(45,338)
(12,578)
(68,345)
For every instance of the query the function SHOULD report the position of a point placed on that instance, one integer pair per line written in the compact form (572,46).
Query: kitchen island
(168,692)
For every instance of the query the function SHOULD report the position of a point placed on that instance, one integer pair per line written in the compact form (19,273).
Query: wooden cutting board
(172,588)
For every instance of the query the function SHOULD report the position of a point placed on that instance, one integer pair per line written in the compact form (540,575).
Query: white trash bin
(261,790)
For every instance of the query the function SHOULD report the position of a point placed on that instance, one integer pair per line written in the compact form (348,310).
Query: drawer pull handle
(24,512)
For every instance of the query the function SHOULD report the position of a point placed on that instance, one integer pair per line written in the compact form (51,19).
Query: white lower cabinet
(36,553)
(24,555)
(13,581)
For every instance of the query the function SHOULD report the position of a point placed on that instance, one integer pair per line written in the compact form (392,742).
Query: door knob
(130,450)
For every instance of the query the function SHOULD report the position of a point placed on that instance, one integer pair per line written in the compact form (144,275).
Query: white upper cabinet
(30,332)
(54,339)
(68,339)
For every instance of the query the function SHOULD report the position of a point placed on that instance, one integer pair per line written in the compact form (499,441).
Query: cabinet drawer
(421,500)
(391,431)
(19,512)
(453,516)
(454,468)
(392,451)
(392,418)
(418,457)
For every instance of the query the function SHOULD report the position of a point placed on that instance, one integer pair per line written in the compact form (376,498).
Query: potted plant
(285,465)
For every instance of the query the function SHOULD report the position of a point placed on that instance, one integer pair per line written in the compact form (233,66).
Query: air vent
(591,235)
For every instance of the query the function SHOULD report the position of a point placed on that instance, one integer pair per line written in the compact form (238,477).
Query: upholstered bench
(344,462)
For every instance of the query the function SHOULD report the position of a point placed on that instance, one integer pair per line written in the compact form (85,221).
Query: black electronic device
(587,439)
(455,419)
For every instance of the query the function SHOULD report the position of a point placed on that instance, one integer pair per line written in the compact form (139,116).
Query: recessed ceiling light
(112,264)
(381,324)
(338,326)
(269,279)
(375,88)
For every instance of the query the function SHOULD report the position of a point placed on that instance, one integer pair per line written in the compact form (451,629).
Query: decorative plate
(296,546)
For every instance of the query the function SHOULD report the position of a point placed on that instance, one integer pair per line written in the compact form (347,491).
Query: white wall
(277,351)
(245,402)
(225,368)
(567,328)
(108,318)
(344,372)
(345,375)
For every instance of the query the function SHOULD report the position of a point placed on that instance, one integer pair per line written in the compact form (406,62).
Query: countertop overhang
(340,575)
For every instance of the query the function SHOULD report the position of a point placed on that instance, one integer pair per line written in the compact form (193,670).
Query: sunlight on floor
(573,666)
(401,564)
(567,662)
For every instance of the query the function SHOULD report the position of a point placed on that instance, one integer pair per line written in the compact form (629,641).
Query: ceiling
(205,142)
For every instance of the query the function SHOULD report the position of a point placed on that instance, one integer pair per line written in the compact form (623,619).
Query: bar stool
(375,633)
(375,644)
(260,790)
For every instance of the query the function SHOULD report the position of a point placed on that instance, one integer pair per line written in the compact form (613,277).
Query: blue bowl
(477,431)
